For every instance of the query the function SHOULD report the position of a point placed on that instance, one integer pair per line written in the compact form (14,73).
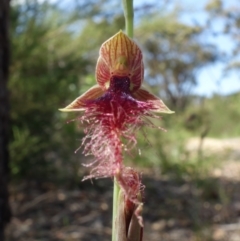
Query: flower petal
(102,73)
(120,56)
(80,103)
(158,105)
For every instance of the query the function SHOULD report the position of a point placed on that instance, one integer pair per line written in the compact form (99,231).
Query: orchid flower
(113,110)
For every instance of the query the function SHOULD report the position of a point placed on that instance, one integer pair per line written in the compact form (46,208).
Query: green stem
(128,14)
(116,190)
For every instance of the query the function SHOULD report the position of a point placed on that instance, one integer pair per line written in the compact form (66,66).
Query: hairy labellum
(114,110)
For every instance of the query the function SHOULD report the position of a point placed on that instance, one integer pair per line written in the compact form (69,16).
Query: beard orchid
(114,109)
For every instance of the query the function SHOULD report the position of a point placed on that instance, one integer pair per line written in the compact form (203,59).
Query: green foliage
(225,115)
(53,62)
(166,152)
(46,70)
(54,53)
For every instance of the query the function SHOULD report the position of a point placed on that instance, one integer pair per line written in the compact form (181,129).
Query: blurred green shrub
(54,53)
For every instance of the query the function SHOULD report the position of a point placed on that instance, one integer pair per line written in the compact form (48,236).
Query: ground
(175,209)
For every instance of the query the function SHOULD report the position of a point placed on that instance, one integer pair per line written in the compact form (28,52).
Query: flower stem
(128,14)
(116,190)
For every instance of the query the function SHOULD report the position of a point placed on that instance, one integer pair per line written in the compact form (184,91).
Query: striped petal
(158,105)
(103,73)
(120,56)
(79,104)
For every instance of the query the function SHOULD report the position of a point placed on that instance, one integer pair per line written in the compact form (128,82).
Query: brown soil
(174,210)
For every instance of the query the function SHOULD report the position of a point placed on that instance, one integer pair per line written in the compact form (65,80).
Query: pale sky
(210,79)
